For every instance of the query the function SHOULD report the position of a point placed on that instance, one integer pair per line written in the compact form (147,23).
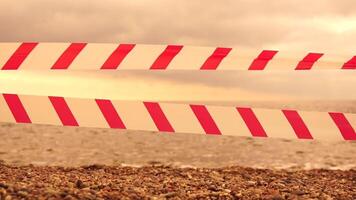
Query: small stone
(227,190)
(276,197)
(299,192)
(3,185)
(22,193)
(2,192)
(51,191)
(68,197)
(86,189)
(261,182)
(169,195)
(324,196)
(213,188)
(257,191)
(79,184)
(189,176)
(8,197)
(251,183)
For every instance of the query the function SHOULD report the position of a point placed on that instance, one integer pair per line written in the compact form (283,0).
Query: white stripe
(5,112)
(134,115)
(142,56)
(238,59)
(87,112)
(40,110)
(275,123)
(44,55)
(331,62)
(320,125)
(285,60)
(191,58)
(6,50)
(93,56)
(182,118)
(229,121)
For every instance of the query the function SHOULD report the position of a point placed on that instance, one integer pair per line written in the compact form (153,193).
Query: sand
(45,145)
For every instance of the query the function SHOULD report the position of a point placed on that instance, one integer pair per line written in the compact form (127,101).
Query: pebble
(251,183)
(79,184)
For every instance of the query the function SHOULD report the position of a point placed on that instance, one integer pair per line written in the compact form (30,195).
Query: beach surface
(44,145)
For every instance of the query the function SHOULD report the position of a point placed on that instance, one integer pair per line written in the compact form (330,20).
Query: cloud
(302,84)
(253,23)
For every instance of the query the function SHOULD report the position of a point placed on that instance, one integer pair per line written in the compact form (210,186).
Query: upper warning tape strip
(95,56)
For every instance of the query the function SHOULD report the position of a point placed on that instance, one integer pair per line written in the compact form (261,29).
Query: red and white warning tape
(62,56)
(181,118)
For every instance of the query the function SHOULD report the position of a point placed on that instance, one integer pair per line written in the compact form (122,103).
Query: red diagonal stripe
(351,64)
(252,122)
(16,108)
(68,56)
(308,61)
(344,126)
(158,117)
(215,59)
(297,123)
(205,119)
(262,60)
(63,111)
(166,57)
(117,56)
(19,56)
(109,112)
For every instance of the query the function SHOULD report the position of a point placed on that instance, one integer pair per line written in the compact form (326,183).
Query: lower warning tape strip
(175,117)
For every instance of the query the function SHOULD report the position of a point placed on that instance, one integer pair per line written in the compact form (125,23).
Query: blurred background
(296,26)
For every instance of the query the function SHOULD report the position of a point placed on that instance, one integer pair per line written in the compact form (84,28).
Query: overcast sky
(294,25)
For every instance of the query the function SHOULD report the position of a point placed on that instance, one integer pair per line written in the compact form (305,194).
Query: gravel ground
(166,182)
